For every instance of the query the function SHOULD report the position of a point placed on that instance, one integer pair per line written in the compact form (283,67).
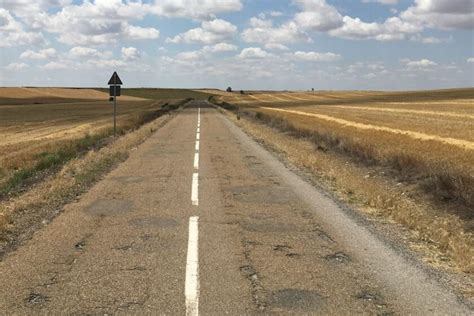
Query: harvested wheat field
(433,131)
(36,122)
(421,142)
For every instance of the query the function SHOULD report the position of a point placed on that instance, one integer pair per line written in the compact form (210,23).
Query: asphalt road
(202,220)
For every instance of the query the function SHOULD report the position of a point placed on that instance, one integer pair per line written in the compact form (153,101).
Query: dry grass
(426,185)
(36,134)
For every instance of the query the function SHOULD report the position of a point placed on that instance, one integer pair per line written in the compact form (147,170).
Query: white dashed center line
(191,291)
(196,161)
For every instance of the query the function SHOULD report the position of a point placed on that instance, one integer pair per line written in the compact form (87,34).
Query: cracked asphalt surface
(268,241)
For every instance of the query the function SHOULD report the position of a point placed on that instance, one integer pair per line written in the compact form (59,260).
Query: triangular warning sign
(115,79)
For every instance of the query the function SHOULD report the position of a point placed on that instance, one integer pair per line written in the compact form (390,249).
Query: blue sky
(246,44)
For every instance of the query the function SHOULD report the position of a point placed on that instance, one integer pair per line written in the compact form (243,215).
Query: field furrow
(416,135)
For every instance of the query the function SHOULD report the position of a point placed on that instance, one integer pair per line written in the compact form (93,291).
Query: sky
(245,44)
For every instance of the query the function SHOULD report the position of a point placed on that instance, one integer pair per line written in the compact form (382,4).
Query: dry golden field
(35,122)
(431,131)
(406,155)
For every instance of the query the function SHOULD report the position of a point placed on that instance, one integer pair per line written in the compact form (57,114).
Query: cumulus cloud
(317,15)
(315,56)
(98,22)
(55,66)
(130,53)
(40,54)
(392,29)
(444,14)
(263,32)
(210,32)
(87,52)
(387,2)
(17,66)
(12,33)
(219,48)
(196,9)
(419,64)
(253,53)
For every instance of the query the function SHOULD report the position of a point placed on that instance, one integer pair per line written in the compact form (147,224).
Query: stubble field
(422,141)
(41,127)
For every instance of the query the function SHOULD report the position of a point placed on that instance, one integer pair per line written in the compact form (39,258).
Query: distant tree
(312,89)
(229,89)
(242,92)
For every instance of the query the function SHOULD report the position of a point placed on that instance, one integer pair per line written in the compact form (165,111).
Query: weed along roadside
(432,199)
(33,196)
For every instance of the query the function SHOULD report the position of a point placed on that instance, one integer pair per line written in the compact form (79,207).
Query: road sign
(115,79)
(114,91)
(115,83)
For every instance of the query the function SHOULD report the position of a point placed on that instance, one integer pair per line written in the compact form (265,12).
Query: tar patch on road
(105,207)
(297,300)
(268,227)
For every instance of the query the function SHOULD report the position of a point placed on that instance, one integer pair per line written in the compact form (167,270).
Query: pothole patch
(297,300)
(36,299)
(281,248)
(338,257)
(268,227)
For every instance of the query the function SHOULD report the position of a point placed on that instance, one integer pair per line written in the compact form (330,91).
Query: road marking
(197,145)
(199,130)
(191,291)
(197,135)
(194,189)
(196,161)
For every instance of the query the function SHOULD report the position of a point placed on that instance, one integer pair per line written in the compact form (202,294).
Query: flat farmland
(427,132)
(35,122)
(407,156)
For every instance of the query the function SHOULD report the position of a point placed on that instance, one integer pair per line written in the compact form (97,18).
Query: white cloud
(220,48)
(387,2)
(427,39)
(189,56)
(315,56)
(422,63)
(317,16)
(470,60)
(253,52)
(41,54)
(17,66)
(276,46)
(95,23)
(263,32)
(55,66)
(87,52)
(26,7)
(210,32)
(130,53)
(392,29)
(444,14)
(12,32)
(196,9)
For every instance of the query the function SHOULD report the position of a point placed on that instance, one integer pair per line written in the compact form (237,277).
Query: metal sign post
(114,92)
